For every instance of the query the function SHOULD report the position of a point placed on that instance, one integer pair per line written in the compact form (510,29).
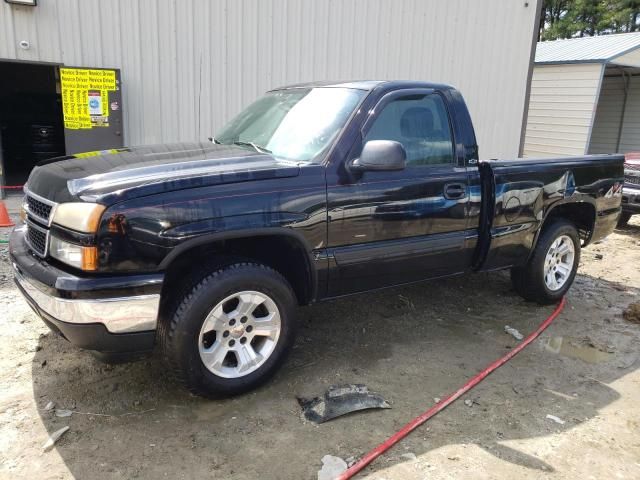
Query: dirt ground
(409,344)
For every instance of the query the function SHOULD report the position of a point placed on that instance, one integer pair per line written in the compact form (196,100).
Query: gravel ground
(411,345)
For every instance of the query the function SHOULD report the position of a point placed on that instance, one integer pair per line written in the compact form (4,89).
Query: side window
(421,125)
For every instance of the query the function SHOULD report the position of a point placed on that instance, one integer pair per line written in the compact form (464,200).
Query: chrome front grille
(631,166)
(38,208)
(40,213)
(632,179)
(37,238)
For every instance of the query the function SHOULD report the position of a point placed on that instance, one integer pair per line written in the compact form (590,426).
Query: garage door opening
(31,120)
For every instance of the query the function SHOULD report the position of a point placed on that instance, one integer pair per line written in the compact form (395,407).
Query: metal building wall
(630,135)
(631,59)
(189,65)
(562,109)
(609,116)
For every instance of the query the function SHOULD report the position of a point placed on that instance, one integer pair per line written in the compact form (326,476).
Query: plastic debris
(409,456)
(339,400)
(513,332)
(331,467)
(555,419)
(53,438)
(61,412)
(468,402)
(49,406)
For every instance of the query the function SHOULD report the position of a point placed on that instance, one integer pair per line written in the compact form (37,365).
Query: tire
(530,281)
(623,220)
(207,322)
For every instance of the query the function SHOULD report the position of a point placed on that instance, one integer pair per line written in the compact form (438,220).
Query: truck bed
(518,195)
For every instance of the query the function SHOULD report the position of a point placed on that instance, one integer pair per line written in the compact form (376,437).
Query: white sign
(95,104)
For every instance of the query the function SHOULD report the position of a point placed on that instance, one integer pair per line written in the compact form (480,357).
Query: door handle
(455,191)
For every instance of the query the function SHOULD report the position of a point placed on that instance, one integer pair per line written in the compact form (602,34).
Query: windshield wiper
(258,148)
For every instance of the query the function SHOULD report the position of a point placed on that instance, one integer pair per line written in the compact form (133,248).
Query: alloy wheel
(239,334)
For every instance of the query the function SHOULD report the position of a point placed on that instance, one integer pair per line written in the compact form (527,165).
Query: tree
(580,18)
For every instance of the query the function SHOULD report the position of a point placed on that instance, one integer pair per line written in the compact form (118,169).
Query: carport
(585,97)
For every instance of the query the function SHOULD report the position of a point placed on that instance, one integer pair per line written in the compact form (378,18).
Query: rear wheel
(624,219)
(231,331)
(553,265)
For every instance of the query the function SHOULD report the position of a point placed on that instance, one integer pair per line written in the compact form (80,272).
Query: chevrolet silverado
(313,192)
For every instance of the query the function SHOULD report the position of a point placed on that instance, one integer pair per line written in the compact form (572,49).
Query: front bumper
(631,198)
(105,314)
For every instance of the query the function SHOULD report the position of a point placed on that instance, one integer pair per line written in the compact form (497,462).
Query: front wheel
(552,267)
(230,331)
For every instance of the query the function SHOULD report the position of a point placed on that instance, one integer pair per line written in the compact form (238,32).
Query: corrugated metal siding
(586,49)
(606,126)
(561,109)
(631,59)
(189,65)
(630,139)
(609,122)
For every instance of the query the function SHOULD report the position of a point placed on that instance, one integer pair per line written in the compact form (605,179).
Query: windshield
(297,124)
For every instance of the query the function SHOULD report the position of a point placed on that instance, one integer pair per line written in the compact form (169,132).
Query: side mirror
(381,156)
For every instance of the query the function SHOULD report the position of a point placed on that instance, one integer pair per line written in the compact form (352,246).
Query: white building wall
(606,127)
(561,109)
(609,123)
(631,59)
(189,65)
(630,139)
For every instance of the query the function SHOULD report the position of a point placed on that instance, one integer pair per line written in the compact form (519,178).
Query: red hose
(441,405)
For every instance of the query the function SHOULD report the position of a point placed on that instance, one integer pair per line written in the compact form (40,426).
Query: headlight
(80,216)
(84,258)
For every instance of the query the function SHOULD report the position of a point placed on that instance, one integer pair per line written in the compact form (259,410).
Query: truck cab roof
(368,85)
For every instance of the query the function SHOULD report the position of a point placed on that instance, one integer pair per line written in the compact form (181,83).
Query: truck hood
(109,176)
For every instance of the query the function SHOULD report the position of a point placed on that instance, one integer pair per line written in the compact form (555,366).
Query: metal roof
(601,49)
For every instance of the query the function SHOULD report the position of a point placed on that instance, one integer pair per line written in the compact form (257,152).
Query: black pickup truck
(313,192)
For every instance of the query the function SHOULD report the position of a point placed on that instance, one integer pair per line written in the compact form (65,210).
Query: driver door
(393,227)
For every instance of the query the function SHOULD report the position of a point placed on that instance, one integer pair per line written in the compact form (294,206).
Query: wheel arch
(581,213)
(282,249)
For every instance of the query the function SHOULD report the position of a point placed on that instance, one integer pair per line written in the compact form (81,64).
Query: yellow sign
(85,97)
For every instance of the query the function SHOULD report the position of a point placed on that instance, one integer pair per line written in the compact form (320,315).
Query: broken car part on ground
(339,400)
